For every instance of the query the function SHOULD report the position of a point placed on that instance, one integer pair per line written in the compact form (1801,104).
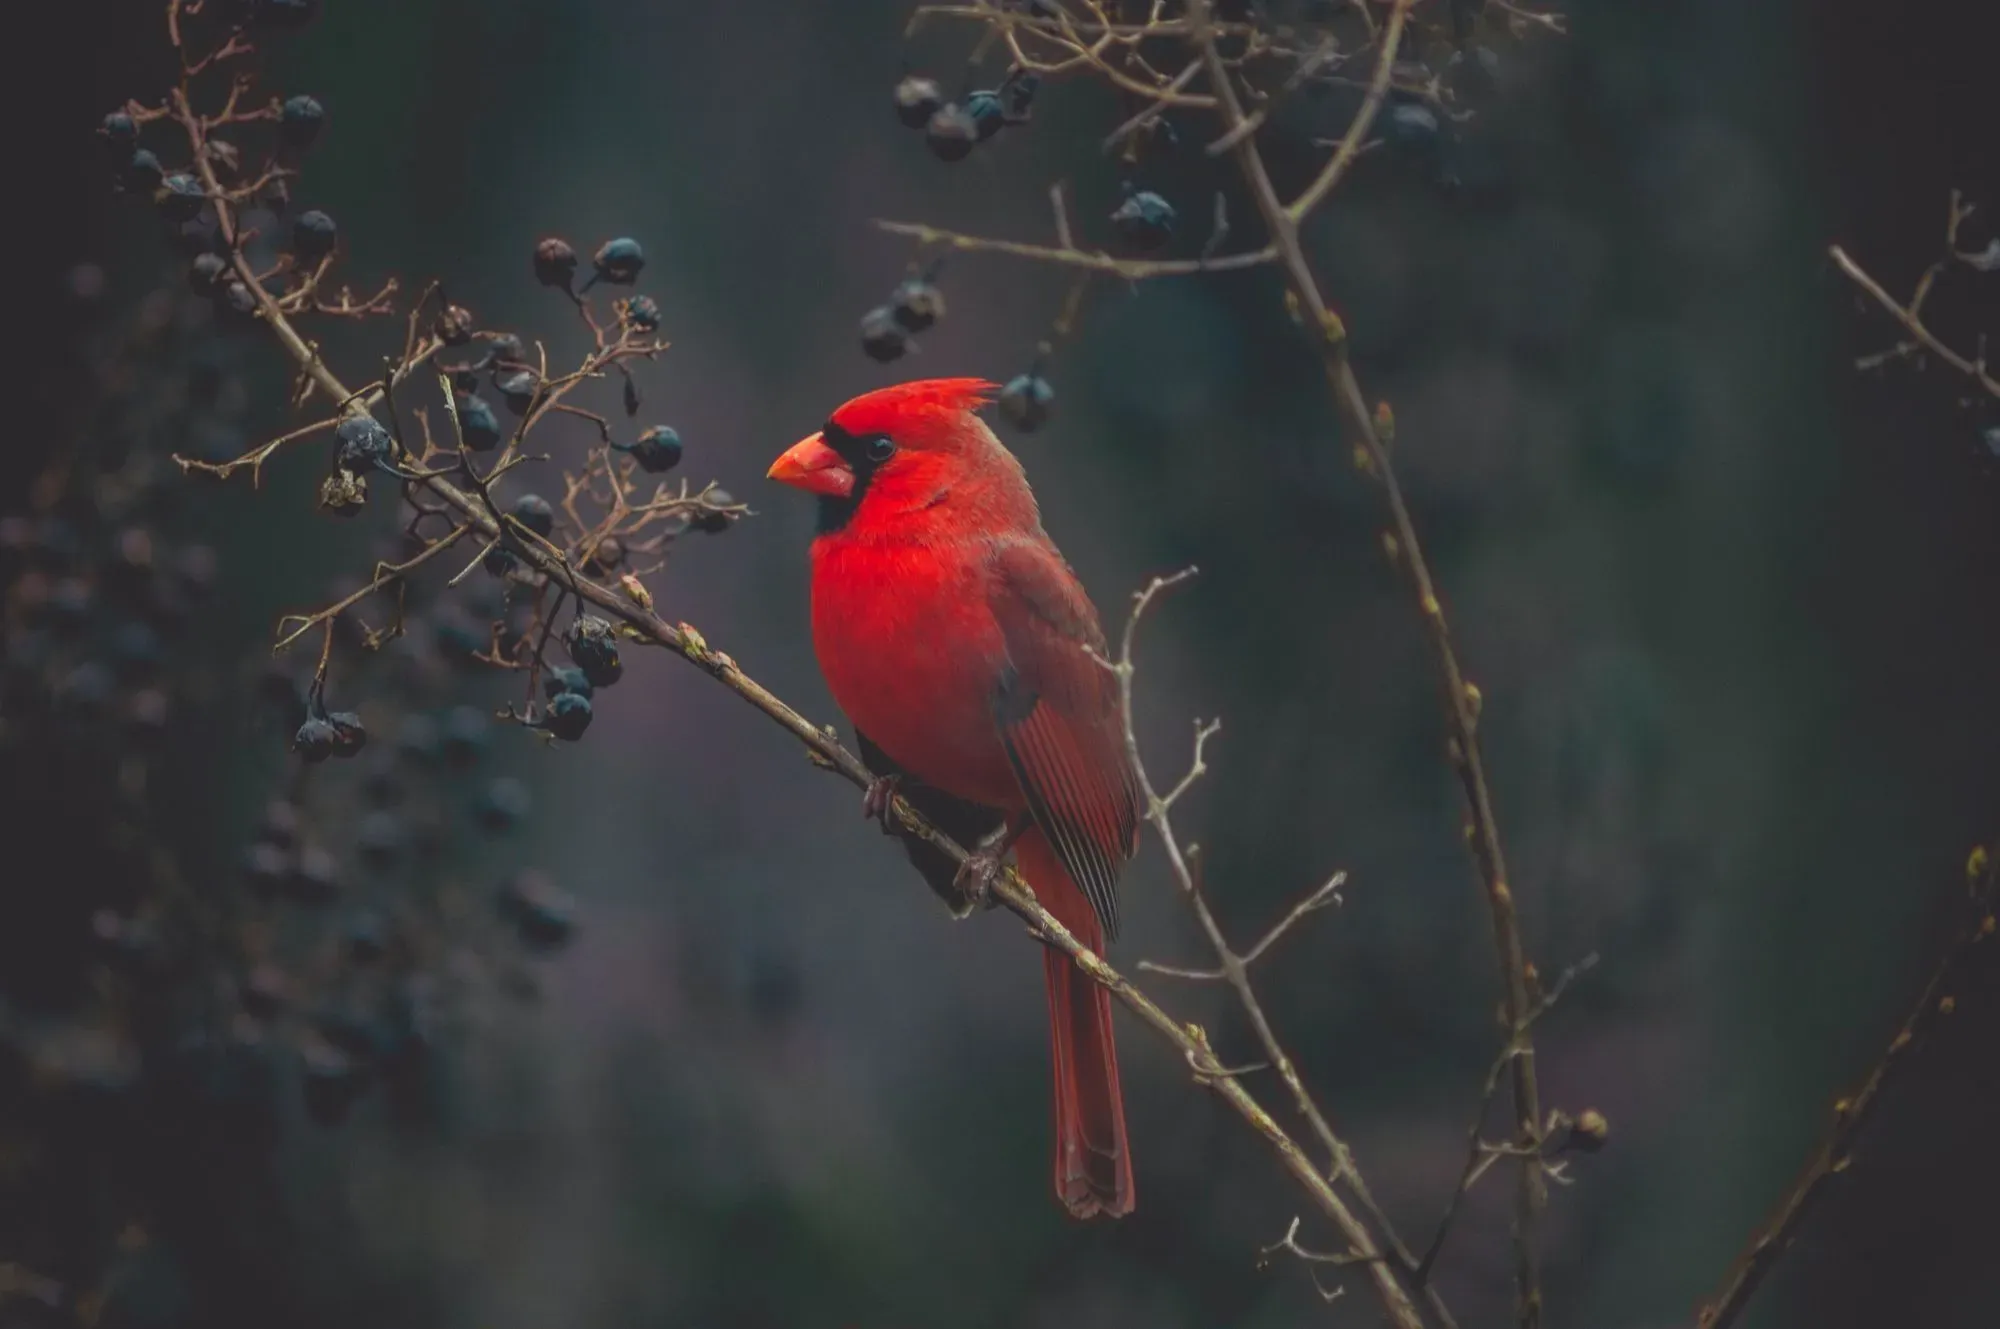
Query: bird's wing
(1058,713)
(967,823)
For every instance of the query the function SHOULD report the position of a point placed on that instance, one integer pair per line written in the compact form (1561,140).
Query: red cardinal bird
(960,644)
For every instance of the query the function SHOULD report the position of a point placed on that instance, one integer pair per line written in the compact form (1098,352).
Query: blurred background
(1731,604)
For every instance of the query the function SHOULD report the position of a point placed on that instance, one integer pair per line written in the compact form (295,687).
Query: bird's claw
(974,881)
(877,800)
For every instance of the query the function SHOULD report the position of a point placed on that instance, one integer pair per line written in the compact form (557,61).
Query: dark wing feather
(967,823)
(1058,713)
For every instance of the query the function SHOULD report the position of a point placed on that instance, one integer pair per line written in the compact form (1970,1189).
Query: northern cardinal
(961,645)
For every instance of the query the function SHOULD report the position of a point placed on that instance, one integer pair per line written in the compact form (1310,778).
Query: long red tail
(1093,1165)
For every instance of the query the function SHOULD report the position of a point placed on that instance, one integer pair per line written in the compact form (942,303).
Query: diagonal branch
(1852,1113)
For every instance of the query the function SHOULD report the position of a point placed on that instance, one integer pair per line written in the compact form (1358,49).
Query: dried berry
(143,170)
(951,133)
(361,442)
(504,348)
(121,134)
(207,272)
(592,644)
(1144,221)
(643,313)
(657,450)
(1413,128)
(917,304)
(350,735)
(316,739)
(454,325)
(989,114)
(710,520)
(619,261)
(568,716)
(917,100)
(555,262)
(882,337)
(1027,401)
(478,427)
(561,679)
(533,511)
(313,236)
(518,390)
(181,197)
(605,555)
(299,122)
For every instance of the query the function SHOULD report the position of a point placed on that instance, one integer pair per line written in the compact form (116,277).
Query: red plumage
(961,645)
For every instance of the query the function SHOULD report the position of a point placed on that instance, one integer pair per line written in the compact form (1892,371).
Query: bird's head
(889,457)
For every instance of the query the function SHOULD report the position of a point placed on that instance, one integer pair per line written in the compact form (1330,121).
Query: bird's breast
(912,654)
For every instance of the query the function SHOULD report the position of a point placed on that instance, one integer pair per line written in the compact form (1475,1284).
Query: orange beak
(811,465)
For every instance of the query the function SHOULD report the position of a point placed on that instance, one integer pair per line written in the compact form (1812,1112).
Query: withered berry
(555,262)
(619,261)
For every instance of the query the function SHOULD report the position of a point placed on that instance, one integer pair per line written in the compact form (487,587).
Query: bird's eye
(880,449)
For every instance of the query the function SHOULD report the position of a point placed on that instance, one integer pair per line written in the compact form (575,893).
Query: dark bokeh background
(1732,607)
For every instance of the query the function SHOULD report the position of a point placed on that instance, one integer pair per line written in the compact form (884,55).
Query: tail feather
(1093,1165)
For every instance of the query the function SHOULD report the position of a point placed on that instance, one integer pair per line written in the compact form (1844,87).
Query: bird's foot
(880,795)
(980,870)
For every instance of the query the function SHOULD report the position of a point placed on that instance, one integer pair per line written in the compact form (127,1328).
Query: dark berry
(499,561)
(1017,94)
(478,427)
(518,390)
(951,132)
(504,348)
(569,715)
(656,450)
(533,511)
(917,304)
(606,554)
(143,170)
(361,442)
(643,313)
(504,804)
(350,734)
(619,261)
(313,236)
(316,739)
(1144,221)
(542,913)
(882,337)
(300,121)
(1026,402)
(207,272)
(989,115)
(562,679)
(710,521)
(1412,127)
(555,262)
(181,197)
(592,644)
(917,100)
(121,133)
(454,325)
(237,298)
(465,734)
